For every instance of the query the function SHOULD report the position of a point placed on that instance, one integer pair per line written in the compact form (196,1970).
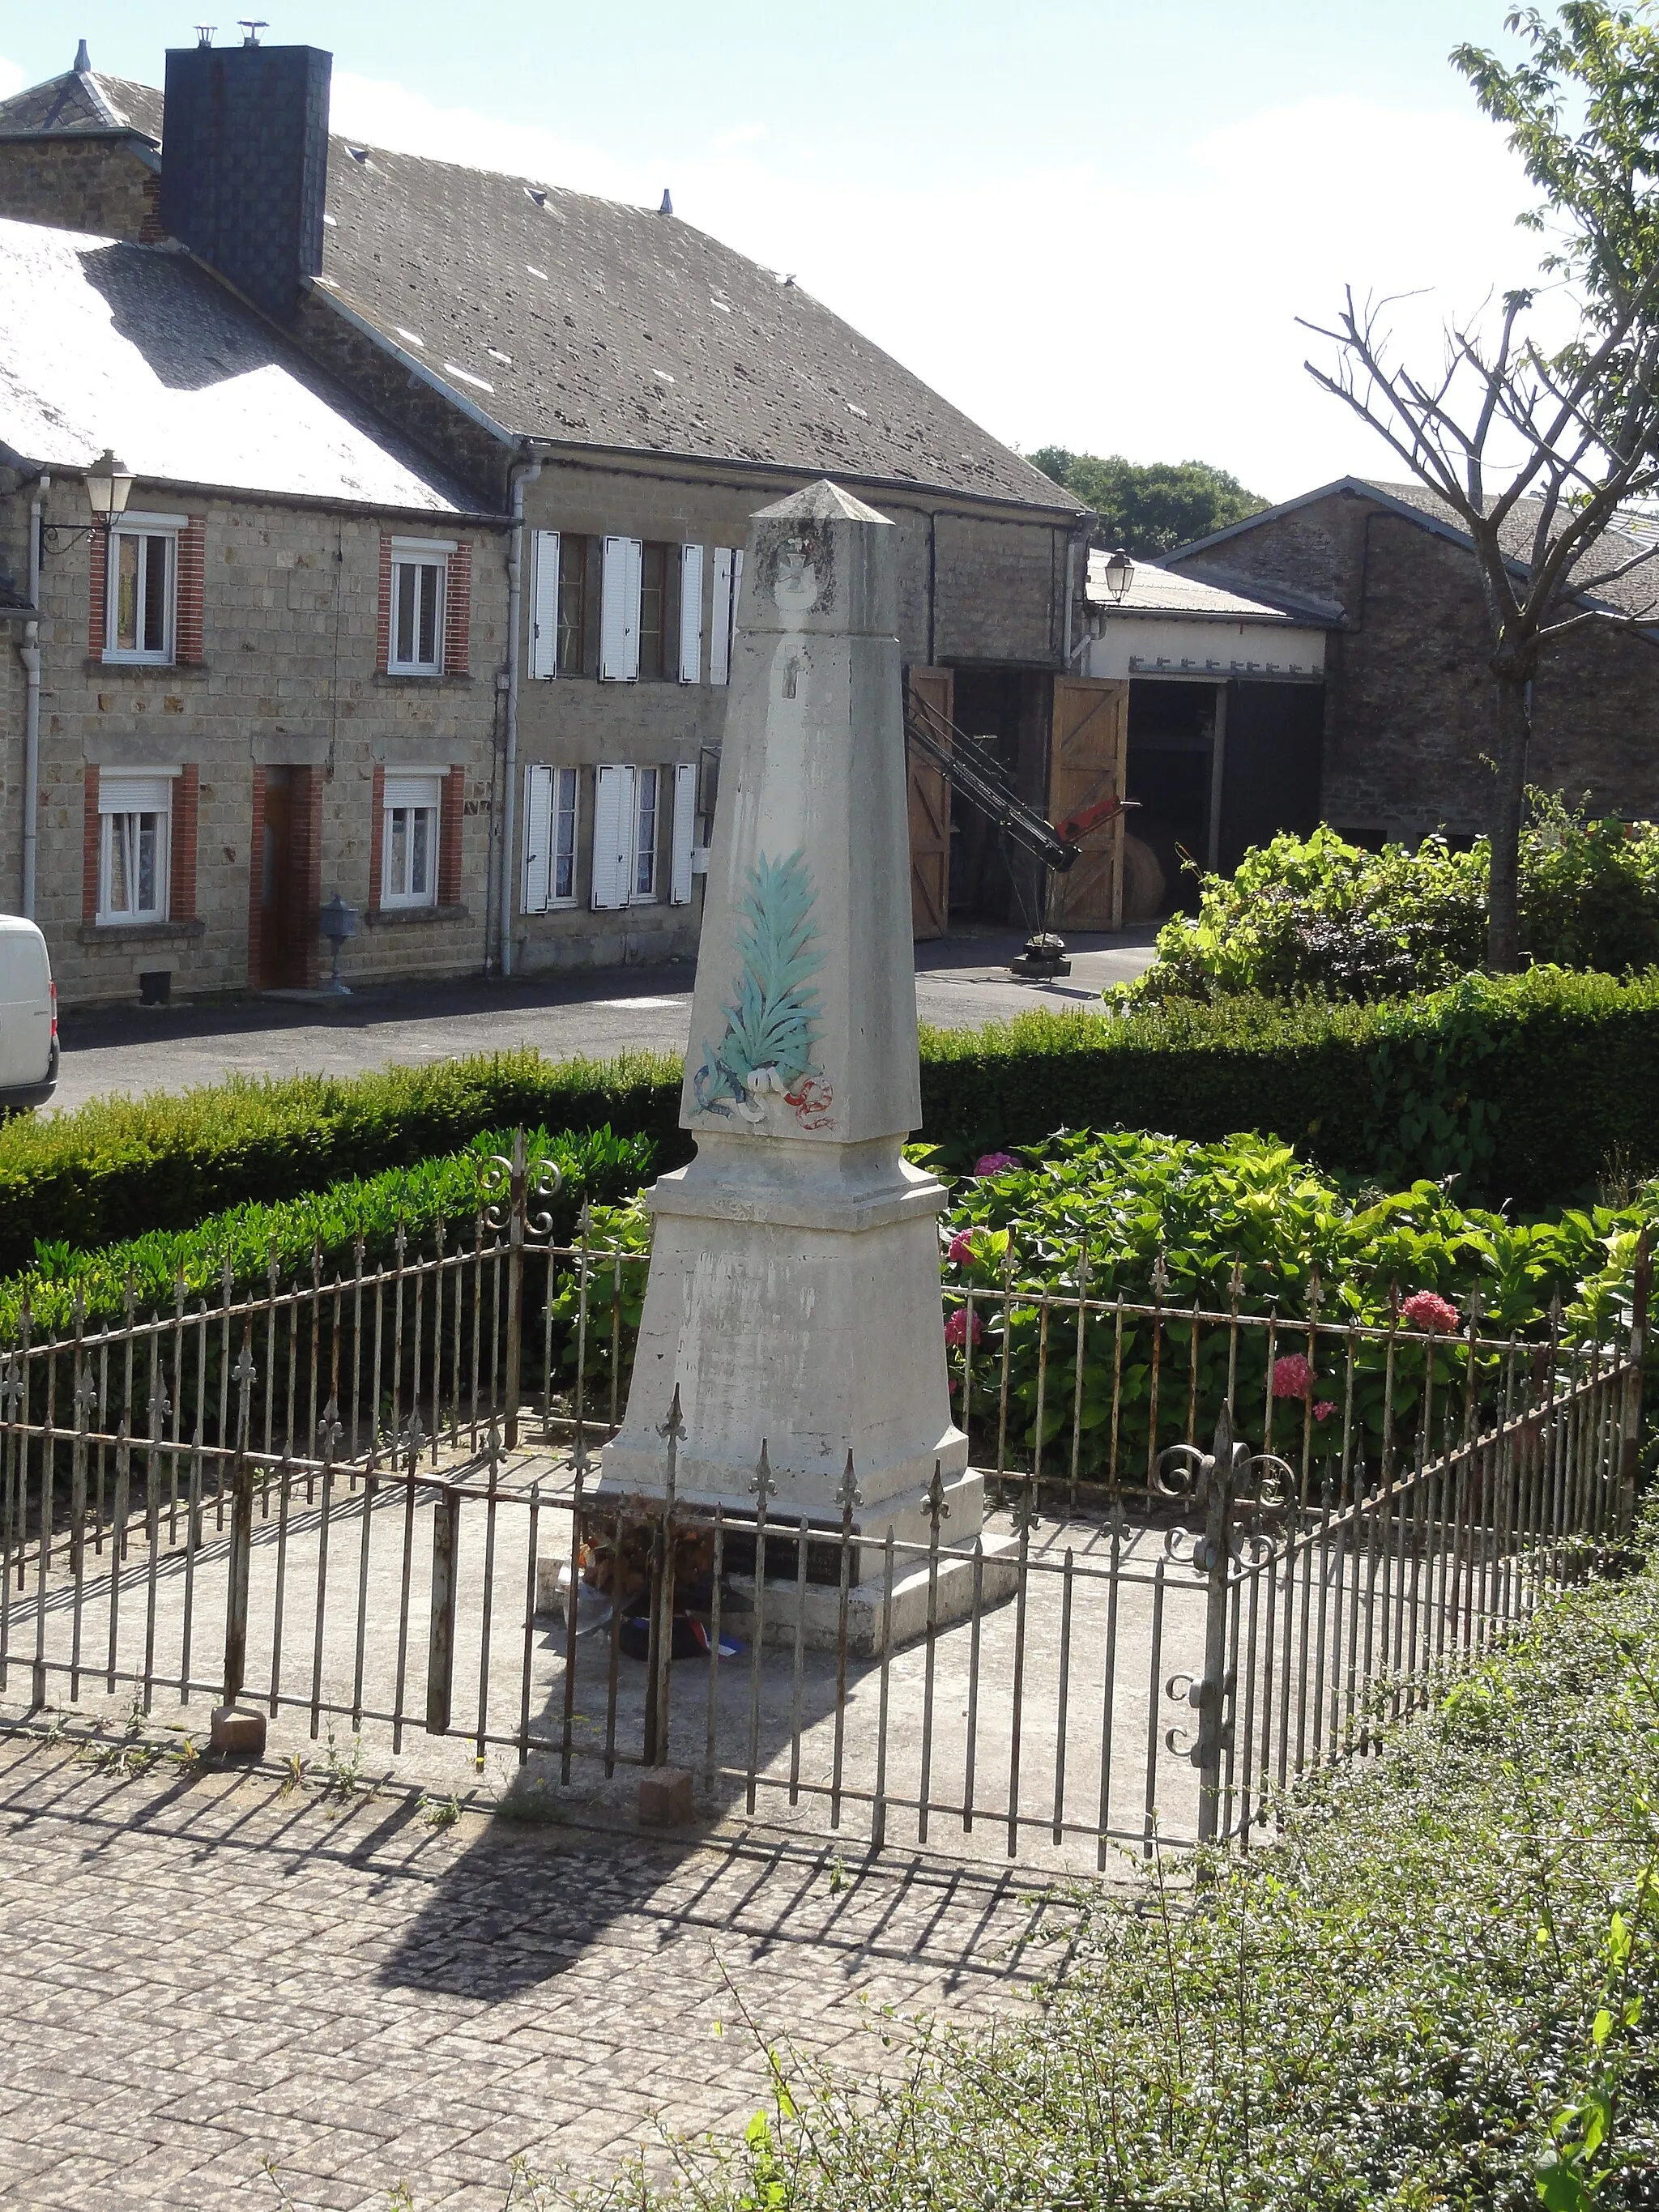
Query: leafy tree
(1536,451)
(1148,509)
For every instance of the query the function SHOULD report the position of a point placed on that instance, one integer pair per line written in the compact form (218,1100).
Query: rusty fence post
(1631,1442)
(512,1386)
(446,1585)
(241,1532)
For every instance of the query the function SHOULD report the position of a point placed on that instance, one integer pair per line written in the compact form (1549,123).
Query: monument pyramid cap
(820,561)
(822,501)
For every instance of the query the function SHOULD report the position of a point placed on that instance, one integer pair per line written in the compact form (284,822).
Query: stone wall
(287,677)
(107,183)
(1409,706)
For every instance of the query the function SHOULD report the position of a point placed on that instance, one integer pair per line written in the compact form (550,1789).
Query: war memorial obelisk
(794,1294)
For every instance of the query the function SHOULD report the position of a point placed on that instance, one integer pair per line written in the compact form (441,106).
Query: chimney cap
(205,33)
(82,60)
(251,28)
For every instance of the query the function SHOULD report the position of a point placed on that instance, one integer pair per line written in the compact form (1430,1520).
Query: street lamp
(336,921)
(109,486)
(1120,573)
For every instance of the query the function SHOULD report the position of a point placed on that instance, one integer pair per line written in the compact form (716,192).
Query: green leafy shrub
(117,1168)
(1316,915)
(1133,1202)
(1440,1987)
(595,1165)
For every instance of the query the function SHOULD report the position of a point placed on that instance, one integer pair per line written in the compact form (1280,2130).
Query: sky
(1088,225)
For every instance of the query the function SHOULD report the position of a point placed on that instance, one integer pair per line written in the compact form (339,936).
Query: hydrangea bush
(1139,1210)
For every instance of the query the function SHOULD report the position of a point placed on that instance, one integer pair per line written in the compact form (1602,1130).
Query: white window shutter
(737,596)
(613,835)
(619,612)
(545,610)
(685,826)
(538,837)
(720,633)
(690,614)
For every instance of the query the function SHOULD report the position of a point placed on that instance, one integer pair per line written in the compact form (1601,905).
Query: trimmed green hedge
(117,1168)
(594,1165)
(1531,1087)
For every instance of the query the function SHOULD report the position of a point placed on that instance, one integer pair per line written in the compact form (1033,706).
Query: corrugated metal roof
(134,347)
(566,317)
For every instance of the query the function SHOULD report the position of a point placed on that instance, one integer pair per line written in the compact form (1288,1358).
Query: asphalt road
(963,982)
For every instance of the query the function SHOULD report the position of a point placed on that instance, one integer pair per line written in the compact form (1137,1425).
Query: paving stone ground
(205,1973)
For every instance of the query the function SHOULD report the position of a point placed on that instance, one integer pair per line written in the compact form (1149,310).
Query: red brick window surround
(89,853)
(383,641)
(138,844)
(186,806)
(449,837)
(377,828)
(192,591)
(156,566)
(458,613)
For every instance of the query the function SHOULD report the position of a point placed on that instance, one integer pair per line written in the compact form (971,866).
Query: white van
(29,1017)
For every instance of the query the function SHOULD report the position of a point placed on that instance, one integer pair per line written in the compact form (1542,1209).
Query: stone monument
(793,1295)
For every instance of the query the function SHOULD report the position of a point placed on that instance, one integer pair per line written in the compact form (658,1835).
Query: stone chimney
(245,165)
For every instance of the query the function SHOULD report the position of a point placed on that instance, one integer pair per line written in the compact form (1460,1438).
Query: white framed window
(419,584)
(134,845)
(552,812)
(619,610)
(141,597)
(409,840)
(647,785)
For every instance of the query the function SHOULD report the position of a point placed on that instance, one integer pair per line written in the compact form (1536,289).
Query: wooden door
(1087,759)
(930,814)
(283,940)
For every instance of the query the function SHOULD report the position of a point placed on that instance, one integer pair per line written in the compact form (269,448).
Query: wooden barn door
(1087,762)
(930,816)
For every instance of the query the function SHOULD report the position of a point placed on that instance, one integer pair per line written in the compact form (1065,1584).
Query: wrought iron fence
(372,1499)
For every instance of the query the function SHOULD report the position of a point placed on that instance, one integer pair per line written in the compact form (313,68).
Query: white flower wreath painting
(772,1025)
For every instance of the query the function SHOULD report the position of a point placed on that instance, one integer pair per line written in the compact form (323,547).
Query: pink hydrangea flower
(1324,1409)
(956,1329)
(1292,1376)
(990,1164)
(961,1253)
(1428,1309)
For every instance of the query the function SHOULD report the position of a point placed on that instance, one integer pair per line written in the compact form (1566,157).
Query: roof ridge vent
(667,207)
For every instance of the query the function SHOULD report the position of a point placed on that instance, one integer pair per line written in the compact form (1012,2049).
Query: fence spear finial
(762,1482)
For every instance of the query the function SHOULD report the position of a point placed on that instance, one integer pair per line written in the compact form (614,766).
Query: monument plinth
(794,1294)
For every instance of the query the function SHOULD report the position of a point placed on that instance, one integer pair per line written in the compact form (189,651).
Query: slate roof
(1637,593)
(1154,591)
(576,319)
(136,348)
(81,100)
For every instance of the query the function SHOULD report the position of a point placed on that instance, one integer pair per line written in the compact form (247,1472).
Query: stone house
(226,708)
(623,391)
(1384,570)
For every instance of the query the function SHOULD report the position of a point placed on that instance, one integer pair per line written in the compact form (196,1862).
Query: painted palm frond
(771,1021)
